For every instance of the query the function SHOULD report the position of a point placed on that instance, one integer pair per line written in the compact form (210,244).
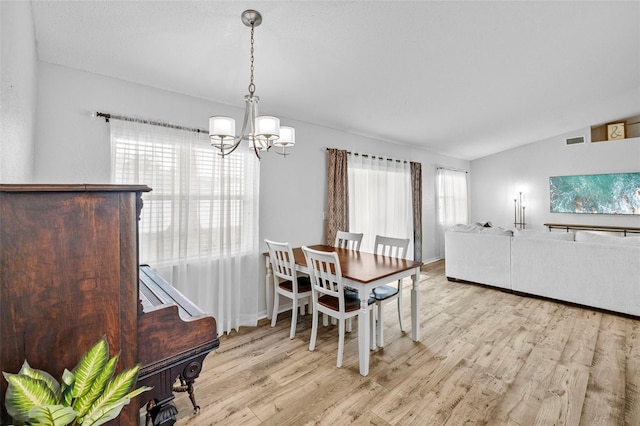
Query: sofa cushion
(484,224)
(466,228)
(534,233)
(586,236)
(497,231)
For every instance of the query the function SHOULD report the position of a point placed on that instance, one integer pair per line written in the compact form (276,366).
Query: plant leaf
(105,413)
(90,366)
(34,373)
(52,415)
(24,393)
(116,390)
(68,379)
(111,411)
(83,403)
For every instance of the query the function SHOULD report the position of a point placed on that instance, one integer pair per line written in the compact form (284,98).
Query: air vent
(574,141)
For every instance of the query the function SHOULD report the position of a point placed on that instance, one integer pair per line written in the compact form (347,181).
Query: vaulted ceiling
(465,79)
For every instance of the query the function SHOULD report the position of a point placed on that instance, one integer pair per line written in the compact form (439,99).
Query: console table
(567,227)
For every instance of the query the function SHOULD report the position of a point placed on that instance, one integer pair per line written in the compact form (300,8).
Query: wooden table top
(361,266)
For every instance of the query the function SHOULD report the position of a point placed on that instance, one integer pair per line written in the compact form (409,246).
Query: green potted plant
(89,395)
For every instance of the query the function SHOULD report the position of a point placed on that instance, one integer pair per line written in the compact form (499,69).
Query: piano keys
(174,337)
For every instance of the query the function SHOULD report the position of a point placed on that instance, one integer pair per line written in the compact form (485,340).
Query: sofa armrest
(479,258)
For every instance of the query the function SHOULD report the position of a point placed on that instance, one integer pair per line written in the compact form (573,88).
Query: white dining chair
(348,240)
(351,241)
(330,298)
(396,248)
(287,283)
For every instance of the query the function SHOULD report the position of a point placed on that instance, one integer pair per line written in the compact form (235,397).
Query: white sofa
(478,255)
(600,271)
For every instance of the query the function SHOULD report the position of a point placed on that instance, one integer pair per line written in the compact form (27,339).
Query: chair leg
(400,304)
(340,341)
(314,330)
(380,323)
(372,326)
(294,318)
(274,314)
(349,325)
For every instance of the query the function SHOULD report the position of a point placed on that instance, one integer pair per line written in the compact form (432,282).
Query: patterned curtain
(337,194)
(416,188)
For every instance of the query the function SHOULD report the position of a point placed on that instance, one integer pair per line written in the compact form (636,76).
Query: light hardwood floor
(485,357)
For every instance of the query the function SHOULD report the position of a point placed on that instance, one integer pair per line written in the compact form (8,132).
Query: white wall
(497,178)
(18,91)
(73,147)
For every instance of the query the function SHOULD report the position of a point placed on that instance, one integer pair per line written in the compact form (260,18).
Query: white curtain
(199,225)
(452,202)
(380,200)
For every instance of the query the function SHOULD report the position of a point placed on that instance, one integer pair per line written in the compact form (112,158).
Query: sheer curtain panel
(452,201)
(199,225)
(380,198)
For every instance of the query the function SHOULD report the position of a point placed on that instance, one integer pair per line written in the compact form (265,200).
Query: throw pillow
(590,237)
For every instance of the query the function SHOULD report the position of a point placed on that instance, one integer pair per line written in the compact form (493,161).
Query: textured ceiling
(465,79)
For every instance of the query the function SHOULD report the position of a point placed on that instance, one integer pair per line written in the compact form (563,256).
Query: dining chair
(349,240)
(391,247)
(330,298)
(287,283)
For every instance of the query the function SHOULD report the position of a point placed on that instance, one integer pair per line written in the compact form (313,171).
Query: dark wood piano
(174,337)
(69,274)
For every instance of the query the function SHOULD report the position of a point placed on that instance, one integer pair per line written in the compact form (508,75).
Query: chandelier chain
(252,86)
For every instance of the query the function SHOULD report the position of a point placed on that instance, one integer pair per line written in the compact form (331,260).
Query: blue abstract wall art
(613,193)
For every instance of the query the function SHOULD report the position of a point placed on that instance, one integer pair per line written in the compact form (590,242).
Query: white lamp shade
(221,127)
(268,126)
(287,136)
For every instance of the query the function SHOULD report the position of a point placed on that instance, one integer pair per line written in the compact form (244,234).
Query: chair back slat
(282,261)
(348,240)
(325,274)
(389,246)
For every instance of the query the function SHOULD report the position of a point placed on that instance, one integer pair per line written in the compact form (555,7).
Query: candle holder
(519,213)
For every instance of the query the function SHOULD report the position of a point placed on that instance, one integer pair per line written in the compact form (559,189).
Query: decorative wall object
(613,193)
(615,131)
(518,212)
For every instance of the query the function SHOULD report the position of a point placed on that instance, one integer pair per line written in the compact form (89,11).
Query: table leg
(363,332)
(268,281)
(415,306)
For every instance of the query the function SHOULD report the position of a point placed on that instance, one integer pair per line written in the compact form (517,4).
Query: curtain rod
(108,117)
(451,169)
(374,157)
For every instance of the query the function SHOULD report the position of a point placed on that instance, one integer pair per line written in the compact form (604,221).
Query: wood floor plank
(605,399)
(485,357)
(563,397)
(632,379)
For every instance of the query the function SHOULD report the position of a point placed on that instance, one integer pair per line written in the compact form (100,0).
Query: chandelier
(262,132)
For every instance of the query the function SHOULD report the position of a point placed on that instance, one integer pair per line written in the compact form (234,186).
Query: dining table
(363,272)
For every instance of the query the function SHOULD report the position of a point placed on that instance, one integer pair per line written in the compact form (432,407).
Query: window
(181,167)
(199,226)
(380,198)
(452,201)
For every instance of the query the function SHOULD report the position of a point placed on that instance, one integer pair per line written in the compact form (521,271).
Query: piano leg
(161,414)
(188,387)
(187,379)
